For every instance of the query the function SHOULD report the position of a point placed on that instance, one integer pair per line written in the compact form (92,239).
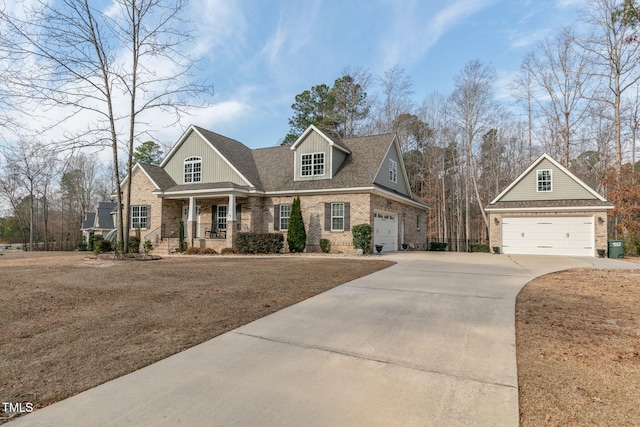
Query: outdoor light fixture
(496,220)
(600,220)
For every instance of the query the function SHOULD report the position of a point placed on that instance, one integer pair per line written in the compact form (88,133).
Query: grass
(71,323)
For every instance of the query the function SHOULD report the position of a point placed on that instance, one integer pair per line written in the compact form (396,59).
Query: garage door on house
(548,235)
(385,231)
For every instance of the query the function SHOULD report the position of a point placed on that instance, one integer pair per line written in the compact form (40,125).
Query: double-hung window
(393,171)
(337,216)
(285,214)
(544,182)
(139,217)
(192,170)
(221,221)
(312,164)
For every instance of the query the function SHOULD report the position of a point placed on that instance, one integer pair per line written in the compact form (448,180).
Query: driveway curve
(429,341)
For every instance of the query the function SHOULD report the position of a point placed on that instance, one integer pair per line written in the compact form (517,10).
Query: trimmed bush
(325,245)
(362,237)
(259,243)
(296,234)
(477,247)
(95,243)
(438,246)
(226,251)
(82,246)
(105,246)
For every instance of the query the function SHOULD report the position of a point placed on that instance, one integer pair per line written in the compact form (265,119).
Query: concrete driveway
(427,342)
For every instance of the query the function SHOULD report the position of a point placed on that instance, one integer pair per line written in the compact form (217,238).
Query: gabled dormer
(317,155)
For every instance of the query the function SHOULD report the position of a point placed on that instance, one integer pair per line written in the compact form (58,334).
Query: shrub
(296,234)
(438,246)
(259,243)
(192,250)
(147,246)
(226,251)
(362,237)
(94,243)
(134,244)
(105,246)
(477,247)
(82,246)
(325,245)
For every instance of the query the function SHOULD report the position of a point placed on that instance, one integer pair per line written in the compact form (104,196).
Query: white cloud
(413,33)
(527,39)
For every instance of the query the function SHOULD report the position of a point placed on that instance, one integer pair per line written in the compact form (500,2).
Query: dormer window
(312,164)
(393,171)
(544,183)
(193,170)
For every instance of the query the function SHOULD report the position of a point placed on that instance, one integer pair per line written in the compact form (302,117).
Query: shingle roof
(158,175)
(89,219)
(104,217)
(238,154)
(531,204)
(275,165)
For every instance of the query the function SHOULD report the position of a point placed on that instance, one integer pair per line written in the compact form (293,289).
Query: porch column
(191,221)
(231,219)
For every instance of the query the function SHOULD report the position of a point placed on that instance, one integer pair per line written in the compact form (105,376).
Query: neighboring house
(101,222)
(548,211)
(219,187)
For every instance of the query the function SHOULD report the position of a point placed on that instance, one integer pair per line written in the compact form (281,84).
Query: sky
(259,54)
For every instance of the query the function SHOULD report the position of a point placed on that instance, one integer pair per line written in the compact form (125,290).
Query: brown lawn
(578,345)
(70,323)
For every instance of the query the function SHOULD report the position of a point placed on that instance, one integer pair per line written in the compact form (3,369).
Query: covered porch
(211,218)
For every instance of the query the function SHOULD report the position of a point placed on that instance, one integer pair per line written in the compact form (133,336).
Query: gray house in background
(101,222)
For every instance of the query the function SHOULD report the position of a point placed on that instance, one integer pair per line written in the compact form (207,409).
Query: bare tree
(397,90)
(562,75)
(473,106)
(31,166)
(616,55)
(111,65)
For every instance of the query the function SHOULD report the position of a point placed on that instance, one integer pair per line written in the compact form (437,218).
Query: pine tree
(296,234)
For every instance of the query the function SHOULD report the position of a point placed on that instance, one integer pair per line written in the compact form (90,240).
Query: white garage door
(385,231)
(552,235)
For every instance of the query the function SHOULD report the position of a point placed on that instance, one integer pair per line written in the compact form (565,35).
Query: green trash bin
(616,248)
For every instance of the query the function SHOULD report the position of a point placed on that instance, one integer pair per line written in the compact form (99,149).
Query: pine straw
(578,344)
(70,323)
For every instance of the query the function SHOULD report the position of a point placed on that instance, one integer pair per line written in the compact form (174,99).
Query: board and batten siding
(563,187)
(214,167)
(313,143)
(382,177)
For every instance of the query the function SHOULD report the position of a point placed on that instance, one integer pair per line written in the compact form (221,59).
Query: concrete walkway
(427,342)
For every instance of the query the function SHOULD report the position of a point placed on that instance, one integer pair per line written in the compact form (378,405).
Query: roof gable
(565,185)
(233,159)
(332,141)
(383,178)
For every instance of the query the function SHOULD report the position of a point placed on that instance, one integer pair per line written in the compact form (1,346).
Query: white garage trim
(548,235)
(385,230)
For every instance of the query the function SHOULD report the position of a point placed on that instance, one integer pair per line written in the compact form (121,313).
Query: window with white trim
(393,171)
(544,182)
(312,164)
(285,214)
(337,216)
(192,170)
(221,221)
(139,217)
(418,221)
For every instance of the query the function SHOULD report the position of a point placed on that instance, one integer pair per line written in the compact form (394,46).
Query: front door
(185,218)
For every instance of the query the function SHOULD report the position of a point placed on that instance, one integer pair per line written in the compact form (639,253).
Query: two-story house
(218,187)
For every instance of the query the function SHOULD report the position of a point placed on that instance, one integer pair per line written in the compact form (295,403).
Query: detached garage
(548,211)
